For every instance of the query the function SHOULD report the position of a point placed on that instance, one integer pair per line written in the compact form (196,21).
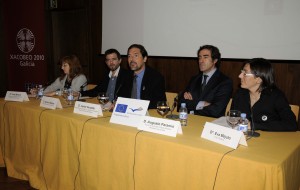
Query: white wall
(240,28)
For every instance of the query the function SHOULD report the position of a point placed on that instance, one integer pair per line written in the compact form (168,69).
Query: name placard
(129,111)
(223,135)
(16,96)
(160,126)
(88,109)
(50,103)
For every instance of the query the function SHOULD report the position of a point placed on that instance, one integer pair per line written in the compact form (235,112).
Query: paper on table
(221,121)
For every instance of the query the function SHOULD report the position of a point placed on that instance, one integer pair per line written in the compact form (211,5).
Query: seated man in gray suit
(209,92)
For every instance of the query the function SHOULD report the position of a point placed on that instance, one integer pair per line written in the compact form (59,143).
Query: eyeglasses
(247,74)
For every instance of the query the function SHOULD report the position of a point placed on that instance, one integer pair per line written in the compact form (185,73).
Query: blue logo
(136,109)
(121,108)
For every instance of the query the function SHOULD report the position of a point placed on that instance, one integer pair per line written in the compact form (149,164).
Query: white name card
(50,103)
(160,126)
(223,135)
(129,111)
(88,109)
(16,96)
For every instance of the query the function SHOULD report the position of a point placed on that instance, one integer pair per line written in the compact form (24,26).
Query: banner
(25,44)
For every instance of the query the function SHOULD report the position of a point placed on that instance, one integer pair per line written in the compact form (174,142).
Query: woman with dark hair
(72,76)
(265,105)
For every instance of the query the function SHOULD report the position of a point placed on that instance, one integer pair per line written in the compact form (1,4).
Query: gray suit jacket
(78,82)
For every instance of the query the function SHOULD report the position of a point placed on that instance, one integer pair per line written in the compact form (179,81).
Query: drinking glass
(103,99)
(163,108)
(28,87)
(70,97)
(233,118)
(34,90)
(65,93)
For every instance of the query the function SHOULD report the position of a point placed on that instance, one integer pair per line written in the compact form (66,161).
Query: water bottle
(183,114)
(70,97)
(243,124)
(40,92)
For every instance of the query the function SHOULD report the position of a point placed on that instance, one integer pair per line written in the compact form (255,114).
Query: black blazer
(121,89)
(152,87)
(217,91)
(271,112)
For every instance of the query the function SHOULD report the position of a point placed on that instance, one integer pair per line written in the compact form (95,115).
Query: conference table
(58,149)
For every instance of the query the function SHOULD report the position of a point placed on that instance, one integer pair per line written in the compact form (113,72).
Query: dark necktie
(134,88)
(204,82)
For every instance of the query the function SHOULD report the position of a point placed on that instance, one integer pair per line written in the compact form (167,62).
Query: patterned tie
(134,88)
(204,82)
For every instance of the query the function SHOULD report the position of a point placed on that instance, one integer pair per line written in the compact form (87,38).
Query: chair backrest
(295,110)
(228,106)
(90,86)
(170,97)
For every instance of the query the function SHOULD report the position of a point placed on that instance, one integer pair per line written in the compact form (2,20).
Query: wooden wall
(178,71)
(76,27)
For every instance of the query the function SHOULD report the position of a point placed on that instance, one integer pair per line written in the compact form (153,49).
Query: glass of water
(233,118)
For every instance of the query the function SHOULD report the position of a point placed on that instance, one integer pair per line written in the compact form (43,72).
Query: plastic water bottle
(183,114)
(40,92)
(243,124)
(70,97)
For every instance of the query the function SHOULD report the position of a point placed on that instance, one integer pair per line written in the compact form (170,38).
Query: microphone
(175,101)
(252,133)
(173,116)
(116,92)
(82,86)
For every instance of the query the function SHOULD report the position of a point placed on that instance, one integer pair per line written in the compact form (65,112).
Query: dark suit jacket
(218,92)
(121,89)
(152,87)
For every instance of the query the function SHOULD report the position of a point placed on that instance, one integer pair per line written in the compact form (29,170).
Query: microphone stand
(252,133)
(172,116)
(82,86)
(115,98)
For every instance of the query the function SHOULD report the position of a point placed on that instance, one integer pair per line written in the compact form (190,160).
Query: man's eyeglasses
(247,74)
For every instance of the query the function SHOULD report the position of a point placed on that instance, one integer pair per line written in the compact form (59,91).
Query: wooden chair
(228,106)
(90,86)
(295,110)
(170,97)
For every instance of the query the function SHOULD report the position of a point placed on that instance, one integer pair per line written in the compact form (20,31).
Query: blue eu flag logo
(121,108)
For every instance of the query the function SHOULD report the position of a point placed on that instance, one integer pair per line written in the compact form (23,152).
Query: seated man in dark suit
(147,83)
(209,92)
(116,82)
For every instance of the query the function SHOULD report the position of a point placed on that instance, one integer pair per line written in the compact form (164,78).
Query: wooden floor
(8,183)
